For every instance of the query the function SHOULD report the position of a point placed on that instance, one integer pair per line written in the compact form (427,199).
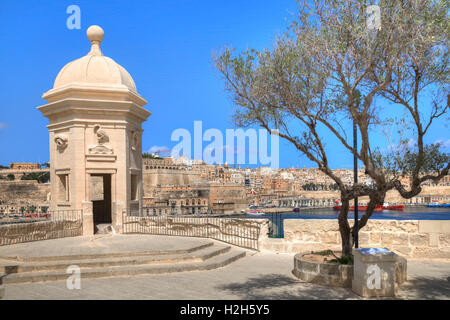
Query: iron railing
(276,229)
(240,232)
(56,224)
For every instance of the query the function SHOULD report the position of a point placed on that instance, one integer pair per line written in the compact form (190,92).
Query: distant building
(24,165)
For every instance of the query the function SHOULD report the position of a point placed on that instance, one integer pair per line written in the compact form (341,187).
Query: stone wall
(29,191)
(154,177)
(409,238)
(43,230)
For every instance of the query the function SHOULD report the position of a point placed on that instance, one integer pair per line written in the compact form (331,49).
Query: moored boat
(385,206)
(255,212)
(436,204)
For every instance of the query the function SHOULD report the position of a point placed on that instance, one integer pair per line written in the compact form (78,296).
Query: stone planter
(335,275)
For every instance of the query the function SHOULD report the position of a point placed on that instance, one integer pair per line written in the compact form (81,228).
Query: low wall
(42,230)
(409,238)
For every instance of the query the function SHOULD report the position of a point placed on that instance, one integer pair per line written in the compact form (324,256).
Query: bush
(147,155)
(337,260)
(40,177)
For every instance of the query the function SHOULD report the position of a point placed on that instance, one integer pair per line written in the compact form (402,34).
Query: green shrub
(337,260)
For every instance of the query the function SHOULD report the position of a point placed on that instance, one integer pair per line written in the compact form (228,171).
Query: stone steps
(104,228)
(196,256)
(208,258)
(104,255)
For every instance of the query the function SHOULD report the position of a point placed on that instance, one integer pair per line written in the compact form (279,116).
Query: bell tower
(95,128)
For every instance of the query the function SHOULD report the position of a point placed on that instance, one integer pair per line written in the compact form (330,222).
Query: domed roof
(95,68)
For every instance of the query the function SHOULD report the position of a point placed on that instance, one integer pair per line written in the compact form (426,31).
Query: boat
(296,210)
(385,206)
(436,204)
(255,212)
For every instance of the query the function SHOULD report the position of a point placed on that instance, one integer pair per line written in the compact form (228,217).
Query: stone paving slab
(258,276)
(103,244)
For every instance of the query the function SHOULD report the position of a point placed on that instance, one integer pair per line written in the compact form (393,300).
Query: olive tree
(327,71)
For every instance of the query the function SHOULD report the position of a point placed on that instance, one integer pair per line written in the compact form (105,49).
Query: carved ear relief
(61,142)
(102,138)
(135,140)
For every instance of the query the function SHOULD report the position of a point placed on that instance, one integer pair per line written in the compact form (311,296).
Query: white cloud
(444,143)
(3,125)
(161,150)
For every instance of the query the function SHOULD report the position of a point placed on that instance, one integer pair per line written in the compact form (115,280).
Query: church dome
(95,68)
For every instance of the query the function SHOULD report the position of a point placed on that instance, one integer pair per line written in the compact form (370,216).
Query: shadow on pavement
(282,287)
(426,288)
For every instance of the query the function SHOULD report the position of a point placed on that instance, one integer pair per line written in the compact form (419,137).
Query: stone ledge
(337,275)
(333,275)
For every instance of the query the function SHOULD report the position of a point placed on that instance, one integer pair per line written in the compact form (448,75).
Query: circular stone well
(330,274)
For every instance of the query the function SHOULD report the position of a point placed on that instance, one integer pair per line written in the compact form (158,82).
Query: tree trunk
(344,229)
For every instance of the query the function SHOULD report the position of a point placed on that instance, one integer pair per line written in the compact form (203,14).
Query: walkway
(258,276)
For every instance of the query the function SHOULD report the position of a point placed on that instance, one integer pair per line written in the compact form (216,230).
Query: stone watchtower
(95,127)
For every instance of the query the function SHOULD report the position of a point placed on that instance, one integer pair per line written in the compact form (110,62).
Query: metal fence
(56,224)
(241,232)
(276,229)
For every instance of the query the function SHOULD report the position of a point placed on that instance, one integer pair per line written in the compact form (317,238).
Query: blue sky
(165,45)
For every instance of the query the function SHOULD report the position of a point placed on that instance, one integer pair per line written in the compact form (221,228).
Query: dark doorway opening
(101,199)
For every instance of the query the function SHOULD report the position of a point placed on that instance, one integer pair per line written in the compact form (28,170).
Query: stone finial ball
(95,33)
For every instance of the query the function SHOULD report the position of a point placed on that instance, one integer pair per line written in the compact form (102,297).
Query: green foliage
(147,155)
(10,177)
(311,186)
(41,177)
(434,160)
(405,159)
(348,259)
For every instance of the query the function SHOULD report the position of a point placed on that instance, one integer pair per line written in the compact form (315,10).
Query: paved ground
(259,276)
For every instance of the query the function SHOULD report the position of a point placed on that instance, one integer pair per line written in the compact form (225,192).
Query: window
(134,187)
(63,187)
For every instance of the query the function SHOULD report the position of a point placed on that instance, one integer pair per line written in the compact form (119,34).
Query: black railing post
(355,177)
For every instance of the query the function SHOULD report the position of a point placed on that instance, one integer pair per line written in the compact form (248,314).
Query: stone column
(88,218)
(119,210)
